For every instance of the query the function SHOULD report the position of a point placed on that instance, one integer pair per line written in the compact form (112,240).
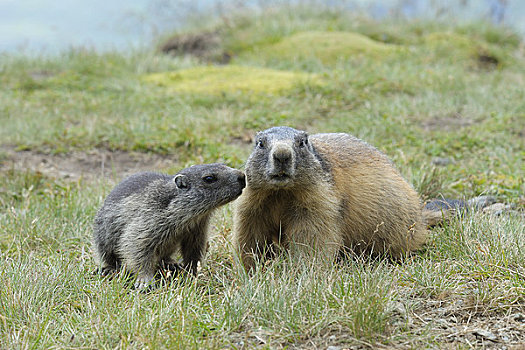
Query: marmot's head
(282,158)
(201,188)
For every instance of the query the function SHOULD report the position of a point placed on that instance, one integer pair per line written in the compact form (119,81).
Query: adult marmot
(322,193)
(149,216)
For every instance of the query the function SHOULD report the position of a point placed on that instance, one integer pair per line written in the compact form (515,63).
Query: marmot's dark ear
(181,181)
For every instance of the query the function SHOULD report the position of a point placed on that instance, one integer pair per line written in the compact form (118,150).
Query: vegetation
(417,90)
(213,80)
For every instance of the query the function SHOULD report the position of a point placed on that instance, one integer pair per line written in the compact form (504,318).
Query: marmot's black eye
(210,179)
(303,143)
(260,144)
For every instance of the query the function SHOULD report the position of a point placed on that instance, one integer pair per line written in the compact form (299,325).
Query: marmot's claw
(171,266)
(106,271)
(143,282)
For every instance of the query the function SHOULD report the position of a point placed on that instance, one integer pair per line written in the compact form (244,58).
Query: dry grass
(465,289)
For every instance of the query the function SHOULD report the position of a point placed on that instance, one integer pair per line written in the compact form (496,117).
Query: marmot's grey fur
(324,193)
(149,216)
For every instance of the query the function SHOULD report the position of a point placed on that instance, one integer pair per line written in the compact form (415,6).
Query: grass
(212,80)
(326,46)
(430,97)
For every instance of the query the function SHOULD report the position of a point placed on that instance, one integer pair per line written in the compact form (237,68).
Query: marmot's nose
(282,156)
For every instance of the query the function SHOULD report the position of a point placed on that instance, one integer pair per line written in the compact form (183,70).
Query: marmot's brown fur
(149,216)
(324,193)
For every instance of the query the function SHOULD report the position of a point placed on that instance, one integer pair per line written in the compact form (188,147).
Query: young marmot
(149,216)
(324,193)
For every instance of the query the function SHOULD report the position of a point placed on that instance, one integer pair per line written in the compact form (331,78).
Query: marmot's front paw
(143,281)
(171,266)
(106,271)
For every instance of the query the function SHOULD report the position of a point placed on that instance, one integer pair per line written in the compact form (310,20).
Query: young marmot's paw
(105,271)
(143,281)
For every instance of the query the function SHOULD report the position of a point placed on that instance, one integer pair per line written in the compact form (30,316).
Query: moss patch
(459,47)
(229,79)
(326,46)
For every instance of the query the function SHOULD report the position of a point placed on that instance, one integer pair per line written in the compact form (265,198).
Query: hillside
(446,102)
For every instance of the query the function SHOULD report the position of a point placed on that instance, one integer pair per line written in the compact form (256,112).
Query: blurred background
(49,26)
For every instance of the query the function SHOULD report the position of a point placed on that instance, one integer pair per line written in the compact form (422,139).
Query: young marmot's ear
(181,181)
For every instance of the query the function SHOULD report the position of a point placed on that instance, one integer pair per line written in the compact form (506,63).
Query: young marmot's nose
(242,180)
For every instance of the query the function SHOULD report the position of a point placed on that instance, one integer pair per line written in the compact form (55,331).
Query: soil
(203,45)
(447,123)
(90,165)
(461,321)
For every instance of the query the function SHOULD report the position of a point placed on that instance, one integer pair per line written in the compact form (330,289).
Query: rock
(478,332)
(331,347)
(442,323)
(498,208)
(481,201)
(442,161)
(399,308)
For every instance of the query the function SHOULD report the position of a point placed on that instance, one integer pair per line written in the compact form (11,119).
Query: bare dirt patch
(90,165)
(458,322)
(204,45)
(447,123)
(464,320)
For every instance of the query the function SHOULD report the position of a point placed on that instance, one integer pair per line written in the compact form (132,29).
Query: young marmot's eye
(260,144)
(210,179)
(303,143)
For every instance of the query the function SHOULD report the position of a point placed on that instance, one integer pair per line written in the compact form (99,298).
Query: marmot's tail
(438,210)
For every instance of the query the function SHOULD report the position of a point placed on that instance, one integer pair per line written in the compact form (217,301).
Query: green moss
(460,47)
(229,79)
(448,39)
(326,46)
